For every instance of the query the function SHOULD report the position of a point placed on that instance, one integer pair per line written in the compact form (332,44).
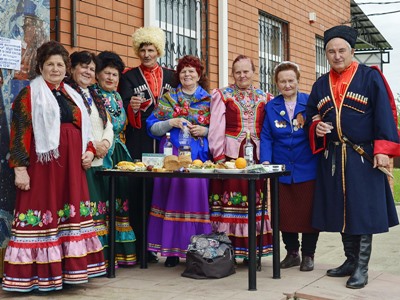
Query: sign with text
(10,54)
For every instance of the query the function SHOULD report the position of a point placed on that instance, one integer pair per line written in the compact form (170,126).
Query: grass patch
(396,190)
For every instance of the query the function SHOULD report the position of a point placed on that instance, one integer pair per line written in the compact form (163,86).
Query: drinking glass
(141,96)
(330,124)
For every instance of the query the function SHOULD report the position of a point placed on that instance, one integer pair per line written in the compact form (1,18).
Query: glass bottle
(248,150)
(168,145)
(184,141)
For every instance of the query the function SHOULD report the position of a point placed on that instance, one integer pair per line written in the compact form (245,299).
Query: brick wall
(109,24)
(243,28)
(100,25)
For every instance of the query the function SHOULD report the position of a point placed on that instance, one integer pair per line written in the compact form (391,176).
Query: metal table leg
(276,269)
(111,233)
(264,200)
(252,235)
(143,246)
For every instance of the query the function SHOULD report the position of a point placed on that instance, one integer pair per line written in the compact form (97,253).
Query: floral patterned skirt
(229,214)
(53,239)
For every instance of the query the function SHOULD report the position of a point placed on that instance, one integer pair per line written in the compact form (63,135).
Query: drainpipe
(57,21)
(149,13)
(207,41)
(74,40)
(223,42)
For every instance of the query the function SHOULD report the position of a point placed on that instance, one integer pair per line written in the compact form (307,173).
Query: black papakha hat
(345,32)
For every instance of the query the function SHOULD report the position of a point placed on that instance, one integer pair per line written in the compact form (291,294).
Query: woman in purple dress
(180,206)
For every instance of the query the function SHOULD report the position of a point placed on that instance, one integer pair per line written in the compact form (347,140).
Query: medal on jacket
(280,124)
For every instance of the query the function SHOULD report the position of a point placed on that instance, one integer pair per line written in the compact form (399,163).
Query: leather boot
(171,261)
(350,246)
(292,259)
(307,263)
(359,278)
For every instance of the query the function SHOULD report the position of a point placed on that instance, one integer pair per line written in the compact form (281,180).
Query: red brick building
(267,31)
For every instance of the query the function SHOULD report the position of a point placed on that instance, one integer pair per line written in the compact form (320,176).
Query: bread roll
(171,163)
(126,165)
(230,165)
(184,161)
(197,163)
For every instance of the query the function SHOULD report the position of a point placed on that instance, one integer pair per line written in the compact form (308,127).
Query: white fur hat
(149,35)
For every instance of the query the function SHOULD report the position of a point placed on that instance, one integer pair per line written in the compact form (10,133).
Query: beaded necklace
(107,104)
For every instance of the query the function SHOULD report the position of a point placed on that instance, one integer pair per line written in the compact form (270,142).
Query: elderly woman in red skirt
(53,241)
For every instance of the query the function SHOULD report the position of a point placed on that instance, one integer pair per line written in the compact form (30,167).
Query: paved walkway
(158,282)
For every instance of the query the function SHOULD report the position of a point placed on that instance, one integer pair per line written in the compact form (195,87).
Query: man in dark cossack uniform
(352,193)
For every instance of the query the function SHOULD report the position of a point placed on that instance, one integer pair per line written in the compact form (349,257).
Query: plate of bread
(228,167)
(197,166)
(131,166)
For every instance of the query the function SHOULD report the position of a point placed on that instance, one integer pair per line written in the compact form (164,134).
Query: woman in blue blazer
(284,141)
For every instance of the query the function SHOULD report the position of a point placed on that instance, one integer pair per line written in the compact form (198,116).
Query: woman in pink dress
(235,110)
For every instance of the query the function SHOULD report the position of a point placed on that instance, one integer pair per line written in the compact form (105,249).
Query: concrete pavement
(158,282)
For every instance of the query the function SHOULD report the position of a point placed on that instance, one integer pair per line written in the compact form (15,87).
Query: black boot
(307,263)
(359,278)
(350,246)
(292,259)
(171,261)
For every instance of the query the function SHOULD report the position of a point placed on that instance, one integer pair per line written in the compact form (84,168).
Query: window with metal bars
(185,24)
(274,47)
(321,63)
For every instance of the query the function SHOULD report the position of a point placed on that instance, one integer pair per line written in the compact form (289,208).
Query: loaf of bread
(171,162)
(184,161)
(126,165)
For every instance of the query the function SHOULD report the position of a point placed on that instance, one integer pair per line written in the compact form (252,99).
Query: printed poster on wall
(10,54)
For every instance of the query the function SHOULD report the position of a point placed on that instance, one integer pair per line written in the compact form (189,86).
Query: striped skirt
(53,239)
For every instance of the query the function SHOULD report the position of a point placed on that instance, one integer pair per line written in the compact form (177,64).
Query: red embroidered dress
(53,240)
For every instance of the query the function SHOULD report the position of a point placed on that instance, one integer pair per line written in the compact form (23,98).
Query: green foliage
(396,190)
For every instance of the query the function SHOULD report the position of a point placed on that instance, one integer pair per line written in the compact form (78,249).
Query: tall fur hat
(342,31)
(149,35)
